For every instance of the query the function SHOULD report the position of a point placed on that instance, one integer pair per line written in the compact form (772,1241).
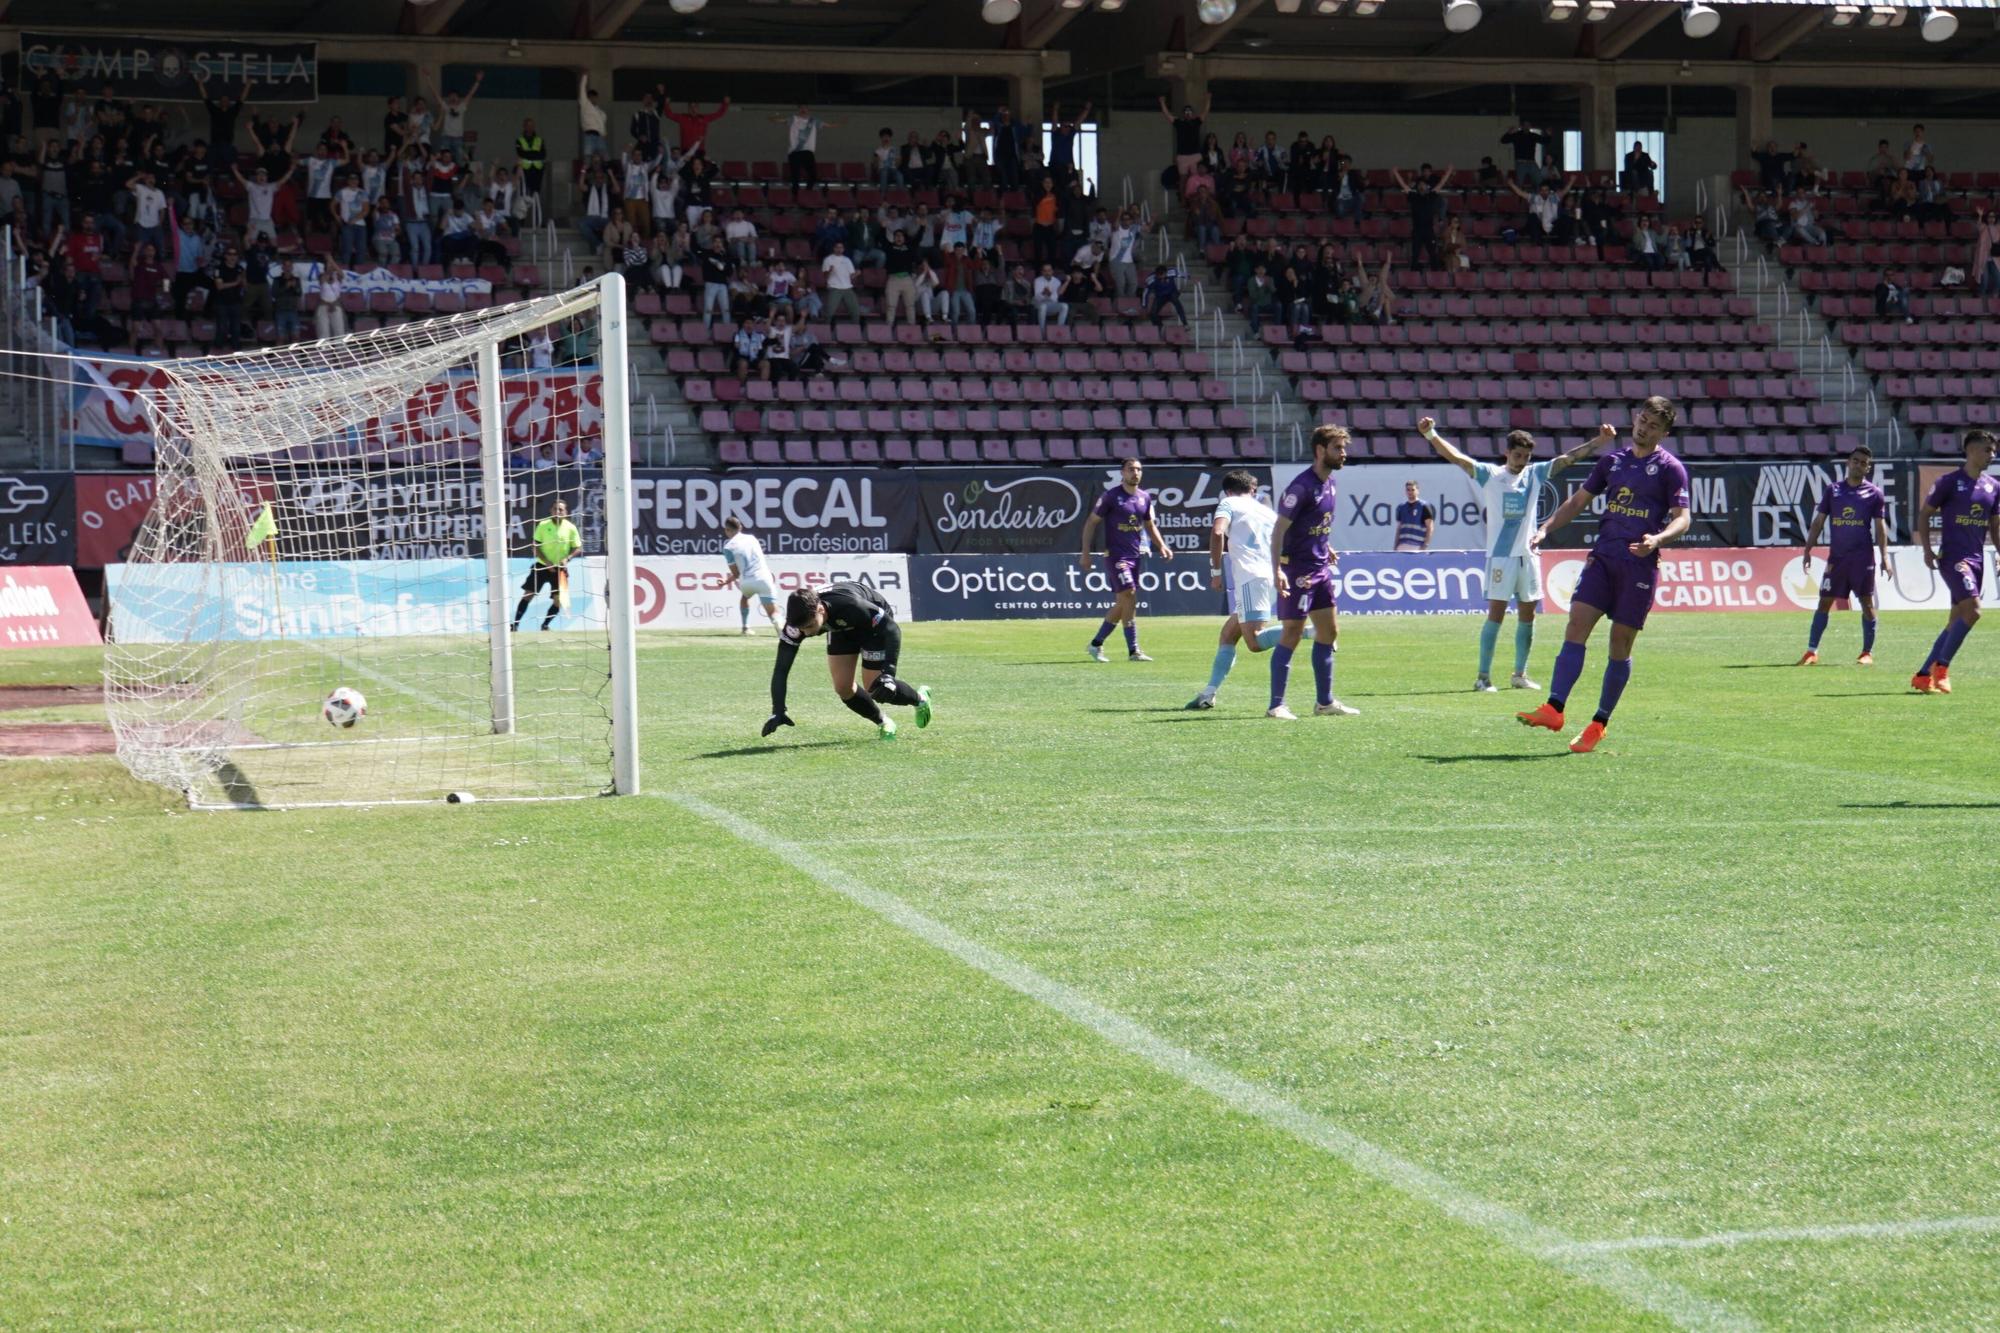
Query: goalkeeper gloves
(776,720)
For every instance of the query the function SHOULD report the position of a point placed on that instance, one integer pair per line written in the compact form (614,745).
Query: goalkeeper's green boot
(888,728)
(923,706)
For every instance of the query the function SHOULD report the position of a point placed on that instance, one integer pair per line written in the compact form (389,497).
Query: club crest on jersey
(1652,469)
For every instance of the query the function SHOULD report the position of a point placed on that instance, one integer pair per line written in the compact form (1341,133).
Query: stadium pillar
(1187,80)
(1598,108)
(1024,93)
(1753,113)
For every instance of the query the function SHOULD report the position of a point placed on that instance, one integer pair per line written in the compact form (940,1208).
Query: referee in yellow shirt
(556,540)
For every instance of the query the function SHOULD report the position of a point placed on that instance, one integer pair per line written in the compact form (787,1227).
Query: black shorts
(878,649)
(540,577)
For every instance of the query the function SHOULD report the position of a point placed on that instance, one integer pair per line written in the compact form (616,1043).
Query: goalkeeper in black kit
(862,634)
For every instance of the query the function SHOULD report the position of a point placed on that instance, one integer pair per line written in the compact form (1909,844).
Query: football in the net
(344,707)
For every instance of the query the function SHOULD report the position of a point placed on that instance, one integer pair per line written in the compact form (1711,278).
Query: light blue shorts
(1252,599)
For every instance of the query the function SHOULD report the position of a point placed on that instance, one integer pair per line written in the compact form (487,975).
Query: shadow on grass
(1411,694)
(1180,715)
(1890,693)
(237,786)
(1920,805)
(745,751)
(1758,666)
(1488,758)
(1176,708)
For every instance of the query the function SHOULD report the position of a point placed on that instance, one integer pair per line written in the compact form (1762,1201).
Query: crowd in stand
(1905,188)
(209,225)
(935,247)
(1306,286)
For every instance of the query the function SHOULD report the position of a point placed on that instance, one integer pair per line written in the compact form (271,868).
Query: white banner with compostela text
(693,592)
(1370,492)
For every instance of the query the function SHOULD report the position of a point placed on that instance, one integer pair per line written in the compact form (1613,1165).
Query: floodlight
(1939,24)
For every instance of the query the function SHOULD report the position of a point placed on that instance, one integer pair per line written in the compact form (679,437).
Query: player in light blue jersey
(1241,536)
(748,573)
(1511,496)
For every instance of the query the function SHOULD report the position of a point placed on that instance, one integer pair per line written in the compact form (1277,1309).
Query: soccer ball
(344,707)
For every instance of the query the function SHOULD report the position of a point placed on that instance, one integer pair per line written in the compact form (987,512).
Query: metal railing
(36,390)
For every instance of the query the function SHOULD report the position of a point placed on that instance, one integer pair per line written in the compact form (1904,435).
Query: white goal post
(362,512)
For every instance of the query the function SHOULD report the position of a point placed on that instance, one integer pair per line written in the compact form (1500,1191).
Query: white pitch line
(1609,1271)
(1910,1230)
(1891,820)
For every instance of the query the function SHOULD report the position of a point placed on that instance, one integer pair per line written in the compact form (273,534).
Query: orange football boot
(1544,716)
(1587,739)
(1811,658)
(1866,659)
(1922,683)
(1941,678)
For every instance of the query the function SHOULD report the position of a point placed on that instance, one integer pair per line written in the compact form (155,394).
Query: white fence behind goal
(386,461)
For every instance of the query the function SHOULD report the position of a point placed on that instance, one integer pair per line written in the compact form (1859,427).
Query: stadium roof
(1402,29)
(1261,59)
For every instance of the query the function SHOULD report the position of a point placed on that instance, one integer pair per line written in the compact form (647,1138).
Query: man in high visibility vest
(556,540)
(531,156)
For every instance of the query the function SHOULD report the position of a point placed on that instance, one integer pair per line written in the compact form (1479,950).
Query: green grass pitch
(751,1058)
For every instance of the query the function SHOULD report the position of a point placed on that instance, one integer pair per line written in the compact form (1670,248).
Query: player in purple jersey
(1127,513)
(1967,502)
(1302,561)
(1858,511)
(1645,490)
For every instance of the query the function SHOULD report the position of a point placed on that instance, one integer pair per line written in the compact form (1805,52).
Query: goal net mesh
(318,522)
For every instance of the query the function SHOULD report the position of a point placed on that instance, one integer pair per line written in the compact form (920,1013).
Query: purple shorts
(1963,575)
(1124,575)
(1622,588)
(1849,576)
(1305,594)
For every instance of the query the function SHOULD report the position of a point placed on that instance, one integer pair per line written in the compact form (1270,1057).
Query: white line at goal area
(373,513)
(427,733)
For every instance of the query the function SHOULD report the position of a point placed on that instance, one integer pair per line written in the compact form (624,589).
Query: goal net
(362,514)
